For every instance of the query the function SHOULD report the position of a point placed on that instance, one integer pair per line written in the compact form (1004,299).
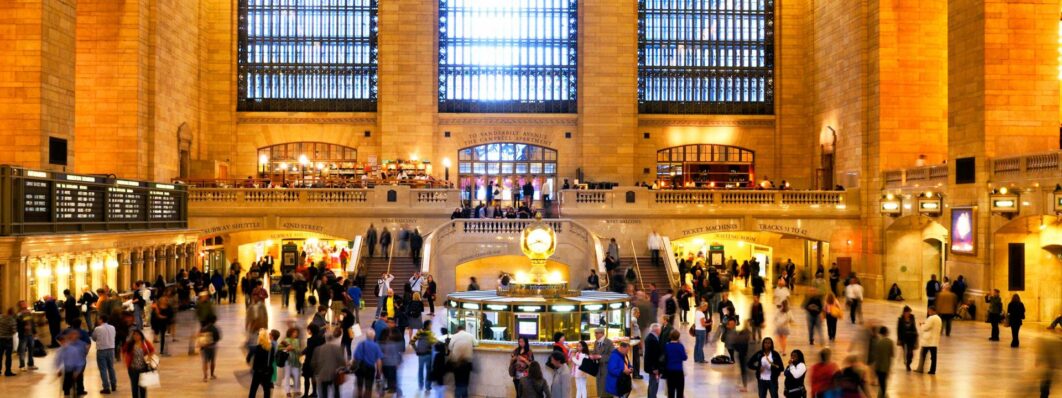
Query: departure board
(53,202)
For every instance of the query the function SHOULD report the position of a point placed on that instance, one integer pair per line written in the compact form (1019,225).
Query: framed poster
(963,230)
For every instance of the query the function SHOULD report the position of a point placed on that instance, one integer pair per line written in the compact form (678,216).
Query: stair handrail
(390,255)
(671,264)
(637,267)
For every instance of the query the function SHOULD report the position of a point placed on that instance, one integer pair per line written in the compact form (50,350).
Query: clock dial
(539,240)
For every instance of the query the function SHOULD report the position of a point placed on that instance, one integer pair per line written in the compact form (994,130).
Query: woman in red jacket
(822,374)
(137,353)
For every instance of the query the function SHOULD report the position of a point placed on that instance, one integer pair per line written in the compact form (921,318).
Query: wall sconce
(1004,201)
(891,205)
(930,204)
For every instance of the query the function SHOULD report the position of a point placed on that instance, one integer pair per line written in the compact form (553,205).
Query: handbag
(282,358)
(590,366)
(512,367)
(149,380)
(623,383)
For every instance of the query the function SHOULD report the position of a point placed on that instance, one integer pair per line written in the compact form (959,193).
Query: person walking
(369,359)
(881,356)
(675,355)
(299,286)
(1015,316)
(8,329)
(946,304)
(346,324)
(207,339)
(232,281)
(533,385)
(416,242)
(767,364)
(370,240)
(930,339)
(422,344)
(136,353)
(286,281)
(52,315)
(315,340)
(161,315)
(27,335)
(783,320)
(262,363)
(383,285)
(738,345)
(385,242)
(393,347)
(103,335)
(907,335)
(327,359)
(654,351)
(602,353)
(795,372)
(832,312)
(70,361)
(854,293)
(87,302)
(430,290)
(561,384)
(995,313)
(460,355)
(813,306)
(616,370)
(822,374)
(655,242)
(291,374)
(700,329)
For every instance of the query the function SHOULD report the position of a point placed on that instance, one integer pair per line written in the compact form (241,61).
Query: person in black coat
(315,340)
(370,240)
(262,365)
(907,335)
(51,313)
(767,360)
(653,352)
(385,242)
(416,241)
(1015,316)
(70,308)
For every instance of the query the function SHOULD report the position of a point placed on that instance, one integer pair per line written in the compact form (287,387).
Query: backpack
(669,306)
(422,346)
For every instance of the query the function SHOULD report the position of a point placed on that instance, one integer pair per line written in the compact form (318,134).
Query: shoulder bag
(623,383)
(590,366)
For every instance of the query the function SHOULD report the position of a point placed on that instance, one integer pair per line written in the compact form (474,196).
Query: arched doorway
(487,270)
(770,250)
(705,166)
(508,165)
(914,251)
(310,161)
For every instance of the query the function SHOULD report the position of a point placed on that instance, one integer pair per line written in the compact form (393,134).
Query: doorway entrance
(499,171)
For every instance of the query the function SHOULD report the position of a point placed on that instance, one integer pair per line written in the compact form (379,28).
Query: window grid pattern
(510,56)
(307,55)
(706,56)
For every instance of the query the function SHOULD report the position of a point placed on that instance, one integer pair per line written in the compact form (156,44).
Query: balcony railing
(381,196)
(635,198)
(916,177)
(1046,165)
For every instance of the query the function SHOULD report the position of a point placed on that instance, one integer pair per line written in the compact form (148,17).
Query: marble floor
(969,365)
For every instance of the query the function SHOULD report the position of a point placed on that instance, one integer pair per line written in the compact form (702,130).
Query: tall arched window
(335,160)
(507,56)
(706,56)
(705,166)
(307,56)
(508,165)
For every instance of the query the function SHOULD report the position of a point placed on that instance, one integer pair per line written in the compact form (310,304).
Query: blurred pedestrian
(1015,316)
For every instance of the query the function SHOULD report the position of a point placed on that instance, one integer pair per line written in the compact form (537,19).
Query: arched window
(705,166)
(508,165)
(336,160)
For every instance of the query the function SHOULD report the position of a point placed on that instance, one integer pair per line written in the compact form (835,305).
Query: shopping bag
(149,380)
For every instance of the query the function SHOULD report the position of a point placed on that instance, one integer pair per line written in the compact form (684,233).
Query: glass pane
(551,154)
(506,168)
(550,168)
(494,152)
(464,154)
(493,168)
(521,168)
(536,153)
(479,168)
(536,168)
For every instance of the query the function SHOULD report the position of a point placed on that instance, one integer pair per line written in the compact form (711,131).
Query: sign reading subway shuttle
(42,202)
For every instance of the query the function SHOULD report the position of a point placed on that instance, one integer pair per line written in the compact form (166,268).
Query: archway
(705,166)
(508,165)
(914,252)
(770,250)
(487,270)
(1037,279)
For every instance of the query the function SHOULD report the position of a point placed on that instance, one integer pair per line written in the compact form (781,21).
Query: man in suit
(602,351)
(653,350)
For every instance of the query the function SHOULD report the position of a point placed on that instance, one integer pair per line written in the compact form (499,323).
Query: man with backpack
(422,344)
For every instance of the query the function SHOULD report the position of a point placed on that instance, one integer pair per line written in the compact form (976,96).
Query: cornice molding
(508,121)
(712,122)
(313,120)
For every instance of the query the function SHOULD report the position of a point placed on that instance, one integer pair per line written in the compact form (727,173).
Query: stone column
(149,264)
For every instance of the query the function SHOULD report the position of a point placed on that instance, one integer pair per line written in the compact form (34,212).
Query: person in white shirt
(929,339)
(103,335)
(577,357)
(382,286)
(854,293)
(781,293)
(700,329)
(655,243)
(415,281)
(461,346)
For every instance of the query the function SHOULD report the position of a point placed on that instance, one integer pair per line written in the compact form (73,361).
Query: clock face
(539,240)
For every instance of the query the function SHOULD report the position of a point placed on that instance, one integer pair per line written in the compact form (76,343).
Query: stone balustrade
(918,177)
(1047,165)
(577,202)
(207,199)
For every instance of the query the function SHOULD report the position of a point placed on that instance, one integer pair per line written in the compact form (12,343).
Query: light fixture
(891,205)
(930,204)
(1004,202)
(1058,199)
(303,160)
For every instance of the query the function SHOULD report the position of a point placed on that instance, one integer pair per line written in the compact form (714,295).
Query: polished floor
(969,365)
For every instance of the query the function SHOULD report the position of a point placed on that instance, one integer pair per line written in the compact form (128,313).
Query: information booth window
(508,165)
(705,166)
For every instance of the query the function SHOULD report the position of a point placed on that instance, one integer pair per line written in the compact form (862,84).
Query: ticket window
(527,325)
(496,325)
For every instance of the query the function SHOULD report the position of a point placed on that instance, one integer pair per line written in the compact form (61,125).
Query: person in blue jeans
(422,344)
(700,329)
(8,327)
(369,357)
(103,335)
